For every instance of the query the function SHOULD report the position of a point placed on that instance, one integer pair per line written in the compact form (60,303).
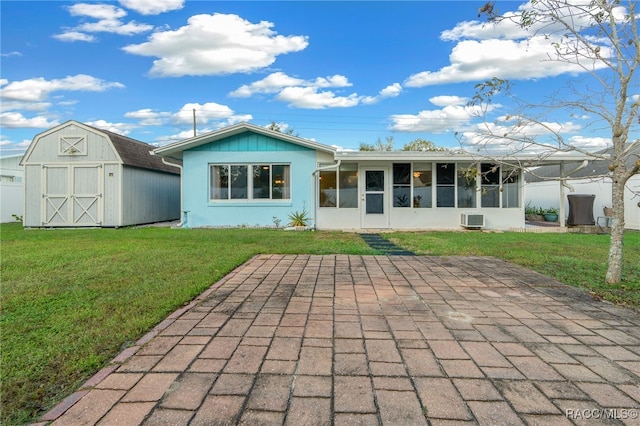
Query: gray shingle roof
(135,153)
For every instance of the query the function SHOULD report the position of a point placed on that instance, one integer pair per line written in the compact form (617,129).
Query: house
(11,188)
(246,175)
(594,179)
(76,175)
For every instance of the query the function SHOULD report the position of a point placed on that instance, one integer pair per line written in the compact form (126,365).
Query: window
(445,181)
(348,186)
(328,188)
(510,188)
(402,185)
(490,178)
(467,185)
(339,188)
(422,184)
(249,182)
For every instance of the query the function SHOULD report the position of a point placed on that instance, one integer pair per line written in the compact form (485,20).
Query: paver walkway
(401,340)
(375,241)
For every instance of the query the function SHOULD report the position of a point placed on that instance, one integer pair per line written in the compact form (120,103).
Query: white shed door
(72,196)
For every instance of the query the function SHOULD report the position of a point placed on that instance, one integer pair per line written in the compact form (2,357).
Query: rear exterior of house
(80,176)
(11,188)
(245,175)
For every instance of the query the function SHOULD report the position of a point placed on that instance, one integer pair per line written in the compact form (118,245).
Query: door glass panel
(375,180)
(375,204)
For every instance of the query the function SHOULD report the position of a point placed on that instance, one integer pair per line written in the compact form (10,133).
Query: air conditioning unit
(472,220)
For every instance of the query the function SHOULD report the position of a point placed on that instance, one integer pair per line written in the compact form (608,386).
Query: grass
(578,260)
(73,299)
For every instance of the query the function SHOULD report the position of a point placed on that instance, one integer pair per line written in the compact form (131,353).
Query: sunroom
(400,190)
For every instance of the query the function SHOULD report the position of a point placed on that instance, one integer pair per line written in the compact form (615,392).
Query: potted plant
(299,220)
(534,214)
(551,214)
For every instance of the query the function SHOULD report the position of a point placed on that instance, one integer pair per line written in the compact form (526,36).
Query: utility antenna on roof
(194,122)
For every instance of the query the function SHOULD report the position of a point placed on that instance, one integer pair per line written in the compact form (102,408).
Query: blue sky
(340,73)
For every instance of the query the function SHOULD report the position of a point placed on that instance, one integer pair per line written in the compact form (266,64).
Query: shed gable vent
(72,145)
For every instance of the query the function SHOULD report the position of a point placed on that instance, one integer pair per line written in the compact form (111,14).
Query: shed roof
(135,153)
(132,152)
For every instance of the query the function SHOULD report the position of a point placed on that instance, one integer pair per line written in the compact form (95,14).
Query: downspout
(182,221)
(316,189)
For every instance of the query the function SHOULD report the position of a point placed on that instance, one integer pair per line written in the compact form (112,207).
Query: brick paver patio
(398,340)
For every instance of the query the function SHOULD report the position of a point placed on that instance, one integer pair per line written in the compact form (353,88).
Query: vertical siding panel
(32,195)
(149,196)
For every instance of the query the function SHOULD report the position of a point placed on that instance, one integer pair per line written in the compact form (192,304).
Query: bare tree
(597,40)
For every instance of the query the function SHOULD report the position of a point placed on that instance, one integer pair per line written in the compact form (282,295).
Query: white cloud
(505,50)
(28,106)
(311,98)
(453,116)
(473,60)
(278,81)
(590,143)
(15,120)
(72,35)
(37,89)
(216,44)
(512,134)
(152,7)
(449,118)
(108,20)
(448,100)
(149,117)
(221,115)
(10,54)
(391,91)
(119,128)
(308,94)
(97,11)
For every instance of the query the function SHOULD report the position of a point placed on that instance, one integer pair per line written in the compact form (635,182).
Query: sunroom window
(249,182)
(339,188)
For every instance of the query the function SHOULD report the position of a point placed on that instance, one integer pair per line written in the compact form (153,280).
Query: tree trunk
(614,270)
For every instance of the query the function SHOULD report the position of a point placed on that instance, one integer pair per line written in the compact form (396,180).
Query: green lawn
(72,299)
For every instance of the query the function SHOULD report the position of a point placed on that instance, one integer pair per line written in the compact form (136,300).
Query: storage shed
(76,175)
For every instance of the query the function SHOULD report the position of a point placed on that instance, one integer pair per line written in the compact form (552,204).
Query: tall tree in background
(421,145)
(282,128)
(387,145)
(598,41)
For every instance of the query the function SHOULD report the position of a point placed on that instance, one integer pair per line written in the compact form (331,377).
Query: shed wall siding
(149,196)
(32,195)
(112,196)
(247,148)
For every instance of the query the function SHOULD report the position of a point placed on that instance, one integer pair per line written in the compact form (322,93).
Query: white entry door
(374,208)
(72,196)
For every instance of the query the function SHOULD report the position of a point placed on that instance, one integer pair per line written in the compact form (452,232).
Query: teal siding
(246,148)
(247,142)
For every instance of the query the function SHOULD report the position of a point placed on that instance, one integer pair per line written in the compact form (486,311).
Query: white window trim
(249,199)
